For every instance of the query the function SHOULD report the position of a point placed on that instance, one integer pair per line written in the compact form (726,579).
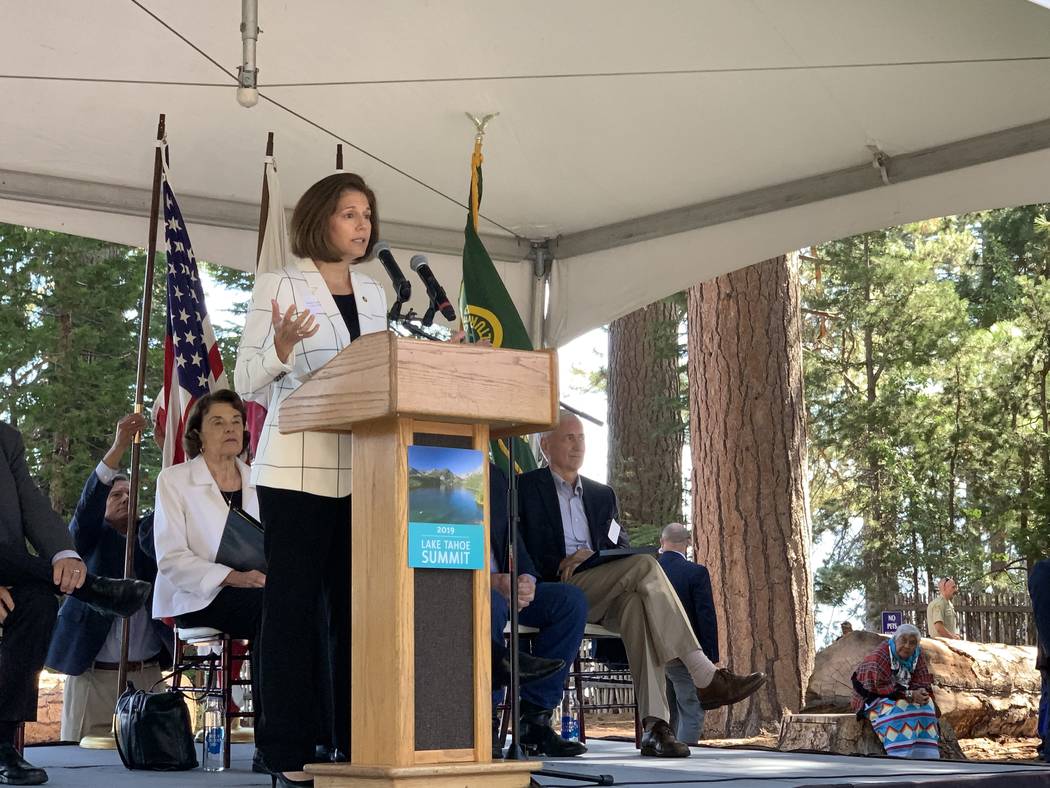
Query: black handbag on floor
(153,731)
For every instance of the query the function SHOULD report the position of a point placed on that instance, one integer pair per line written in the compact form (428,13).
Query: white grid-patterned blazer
(313,462)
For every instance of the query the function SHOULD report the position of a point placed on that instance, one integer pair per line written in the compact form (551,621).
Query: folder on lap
(613,554)
(241,546)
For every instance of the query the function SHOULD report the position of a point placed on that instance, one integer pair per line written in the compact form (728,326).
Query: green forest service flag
(487,309)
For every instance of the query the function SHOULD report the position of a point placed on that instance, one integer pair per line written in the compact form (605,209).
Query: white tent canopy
(641,147)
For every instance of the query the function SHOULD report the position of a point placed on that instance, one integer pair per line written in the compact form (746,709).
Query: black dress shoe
(16,770)
(727,688)
(659,741)
(538,737)
(113,597)
(530,668)
(325,754)
(258,764)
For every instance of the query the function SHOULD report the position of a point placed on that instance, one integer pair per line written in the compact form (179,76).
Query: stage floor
(733,768)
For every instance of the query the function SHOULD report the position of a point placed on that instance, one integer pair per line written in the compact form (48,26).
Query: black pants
(308,567)
(26,630)
(237,612)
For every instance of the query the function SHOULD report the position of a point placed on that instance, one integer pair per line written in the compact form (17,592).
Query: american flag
(192,364)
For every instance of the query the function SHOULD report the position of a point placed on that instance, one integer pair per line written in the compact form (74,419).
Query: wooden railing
(986,618)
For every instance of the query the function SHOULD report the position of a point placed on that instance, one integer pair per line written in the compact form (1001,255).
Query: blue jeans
(687,715)
(1039,590)
(559,611)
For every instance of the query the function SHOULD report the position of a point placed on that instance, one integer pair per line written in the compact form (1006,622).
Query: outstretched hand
(289,329)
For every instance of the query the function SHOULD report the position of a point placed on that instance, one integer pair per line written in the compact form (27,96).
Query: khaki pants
(88,700)
(633,596)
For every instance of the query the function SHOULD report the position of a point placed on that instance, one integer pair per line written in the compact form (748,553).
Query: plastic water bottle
(214,733)
(570,726)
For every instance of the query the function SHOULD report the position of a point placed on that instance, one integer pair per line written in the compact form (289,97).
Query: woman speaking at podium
(301,317)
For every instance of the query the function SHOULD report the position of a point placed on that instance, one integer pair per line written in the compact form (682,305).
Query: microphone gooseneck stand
(514,751)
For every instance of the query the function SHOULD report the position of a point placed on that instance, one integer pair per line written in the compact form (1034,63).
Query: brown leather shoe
(728,688)
(659,741)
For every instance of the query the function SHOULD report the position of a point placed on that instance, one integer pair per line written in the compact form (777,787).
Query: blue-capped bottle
(214,733)
(570,726)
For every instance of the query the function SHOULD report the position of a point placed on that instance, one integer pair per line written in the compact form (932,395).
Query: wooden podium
(420,665)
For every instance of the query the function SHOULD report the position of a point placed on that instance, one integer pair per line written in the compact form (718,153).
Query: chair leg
(20,738)
(637,728)
(226,663)
(176,664)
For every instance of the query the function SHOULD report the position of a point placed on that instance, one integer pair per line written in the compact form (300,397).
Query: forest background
(925,348)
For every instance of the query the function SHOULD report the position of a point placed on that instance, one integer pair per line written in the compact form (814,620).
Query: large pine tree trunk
(645,421)
(750,509)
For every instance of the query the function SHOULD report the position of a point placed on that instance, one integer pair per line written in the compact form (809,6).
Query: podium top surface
(382,375)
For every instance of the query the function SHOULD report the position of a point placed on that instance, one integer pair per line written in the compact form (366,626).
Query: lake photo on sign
(446,508)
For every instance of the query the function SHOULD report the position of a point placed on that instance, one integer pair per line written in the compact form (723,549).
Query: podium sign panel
(446,513)
(420,660)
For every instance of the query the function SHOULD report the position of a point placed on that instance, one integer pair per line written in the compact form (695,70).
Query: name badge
(314,306)
(614,531)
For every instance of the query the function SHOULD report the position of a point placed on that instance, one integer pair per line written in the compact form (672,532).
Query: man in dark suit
(558,610)
(692,583)
(28,585)
(86,644)
(565,518)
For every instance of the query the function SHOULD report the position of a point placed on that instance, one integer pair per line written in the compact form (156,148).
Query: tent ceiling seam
(84,195)
(901,168)
(675,72)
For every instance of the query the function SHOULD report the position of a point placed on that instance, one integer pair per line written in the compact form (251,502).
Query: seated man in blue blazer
(564,519)
(86,643)
(692,583)
(558,610)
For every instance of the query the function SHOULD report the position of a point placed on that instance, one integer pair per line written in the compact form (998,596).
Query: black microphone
(434,290)
(402,287)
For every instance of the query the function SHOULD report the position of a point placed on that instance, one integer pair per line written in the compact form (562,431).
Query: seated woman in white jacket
(193,500)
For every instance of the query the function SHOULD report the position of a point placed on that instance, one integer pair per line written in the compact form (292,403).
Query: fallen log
(982,689)
(846,735)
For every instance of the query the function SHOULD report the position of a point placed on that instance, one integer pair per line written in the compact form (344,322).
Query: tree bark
(645,417)
(749,493)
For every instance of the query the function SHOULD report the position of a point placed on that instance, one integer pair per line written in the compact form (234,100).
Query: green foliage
(927,355)
(69,319)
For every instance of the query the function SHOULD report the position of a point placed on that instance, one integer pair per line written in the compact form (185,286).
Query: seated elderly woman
(194,499)
(892,687)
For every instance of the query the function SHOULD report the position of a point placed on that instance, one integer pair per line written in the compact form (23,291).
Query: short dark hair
(310,218)
(119,477)
(191,439)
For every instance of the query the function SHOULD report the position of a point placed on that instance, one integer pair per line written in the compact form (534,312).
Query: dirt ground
(975,749)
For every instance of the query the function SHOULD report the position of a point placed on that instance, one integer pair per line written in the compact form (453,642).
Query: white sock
(700,668)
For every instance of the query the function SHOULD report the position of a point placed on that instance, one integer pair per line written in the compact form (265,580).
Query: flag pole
(264,202)
(140,386)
